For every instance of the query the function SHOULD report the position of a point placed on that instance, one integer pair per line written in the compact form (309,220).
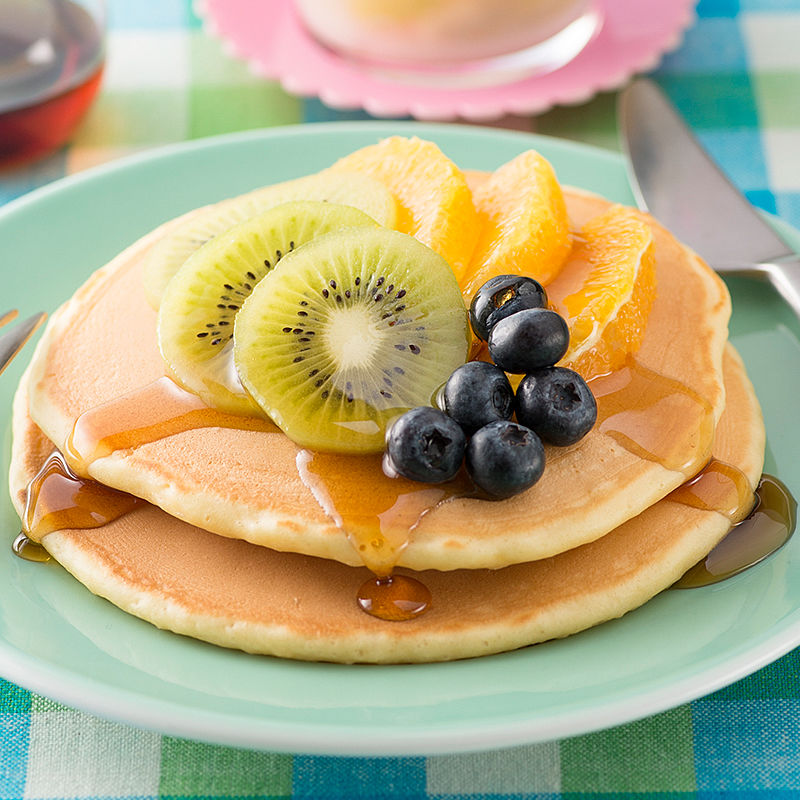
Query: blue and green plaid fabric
(736,78)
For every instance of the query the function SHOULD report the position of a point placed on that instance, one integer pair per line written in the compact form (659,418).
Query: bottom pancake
(235,594)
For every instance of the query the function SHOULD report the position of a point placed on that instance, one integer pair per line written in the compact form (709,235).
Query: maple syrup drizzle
(627,400)
(395,598)
(768,527)
(57,498)
(155,411)
(379,523)
(26,548)
(717,487)
(62,496)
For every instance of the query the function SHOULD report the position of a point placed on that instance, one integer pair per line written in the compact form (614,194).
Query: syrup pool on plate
(51,62)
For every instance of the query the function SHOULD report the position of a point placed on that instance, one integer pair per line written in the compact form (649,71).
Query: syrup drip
(717,487)
(397,598)
(379,523)
(29,550)
(58,499)
(768,527)
(630,398)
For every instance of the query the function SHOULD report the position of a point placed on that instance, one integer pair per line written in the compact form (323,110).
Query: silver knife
(677,181)
(11,342)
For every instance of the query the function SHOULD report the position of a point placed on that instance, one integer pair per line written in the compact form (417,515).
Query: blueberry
(476,394)
(504,458)
(557,404)
(529,339)
(424,444)
(501,296)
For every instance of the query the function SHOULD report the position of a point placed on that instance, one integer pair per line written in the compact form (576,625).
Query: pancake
(240,595)
(246,480)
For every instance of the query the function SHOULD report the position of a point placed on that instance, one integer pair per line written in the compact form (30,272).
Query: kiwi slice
(195,320)
(349,189)
(355,328)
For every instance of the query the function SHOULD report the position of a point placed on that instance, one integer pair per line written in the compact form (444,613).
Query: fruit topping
(502,296)
(476,394)
(349,189)
(608,314)
(530,339)
(556,403)
(195,321)
(504,458)
(353,329)
(434,201)
(425,445)
(523,223)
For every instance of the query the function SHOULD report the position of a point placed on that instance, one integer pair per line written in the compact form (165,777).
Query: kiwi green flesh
(353,189)
(355,328)
(197,313)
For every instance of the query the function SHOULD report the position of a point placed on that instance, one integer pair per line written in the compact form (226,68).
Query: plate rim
(168,718)
(303,129)
(206,724)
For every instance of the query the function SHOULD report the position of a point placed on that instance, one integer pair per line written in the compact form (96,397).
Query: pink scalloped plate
(268,35)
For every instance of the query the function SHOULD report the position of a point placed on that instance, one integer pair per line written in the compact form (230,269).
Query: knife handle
(783,274)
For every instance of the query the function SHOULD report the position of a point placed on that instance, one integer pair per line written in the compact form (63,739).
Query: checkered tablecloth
(737,80)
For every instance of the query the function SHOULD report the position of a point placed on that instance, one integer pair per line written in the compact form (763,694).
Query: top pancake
(256,485)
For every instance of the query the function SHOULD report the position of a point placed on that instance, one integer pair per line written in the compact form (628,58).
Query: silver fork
(13,340)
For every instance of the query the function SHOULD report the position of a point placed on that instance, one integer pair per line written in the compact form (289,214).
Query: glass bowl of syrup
(51,62)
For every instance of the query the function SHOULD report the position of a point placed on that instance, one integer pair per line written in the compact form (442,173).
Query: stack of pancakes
(235,546)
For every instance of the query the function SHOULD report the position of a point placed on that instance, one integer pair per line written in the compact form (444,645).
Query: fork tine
(11,342)
(8,316)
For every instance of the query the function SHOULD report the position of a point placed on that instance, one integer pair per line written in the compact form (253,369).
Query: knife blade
(11,342)
(675,179)
(680,184)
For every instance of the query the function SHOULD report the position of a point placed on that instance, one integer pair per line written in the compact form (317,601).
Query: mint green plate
(61,641)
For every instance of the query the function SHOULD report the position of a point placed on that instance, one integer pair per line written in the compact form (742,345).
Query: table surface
(736,78)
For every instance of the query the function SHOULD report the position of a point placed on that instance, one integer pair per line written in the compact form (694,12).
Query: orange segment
(523,223)
(434,201)
(475,178)
(614,260)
